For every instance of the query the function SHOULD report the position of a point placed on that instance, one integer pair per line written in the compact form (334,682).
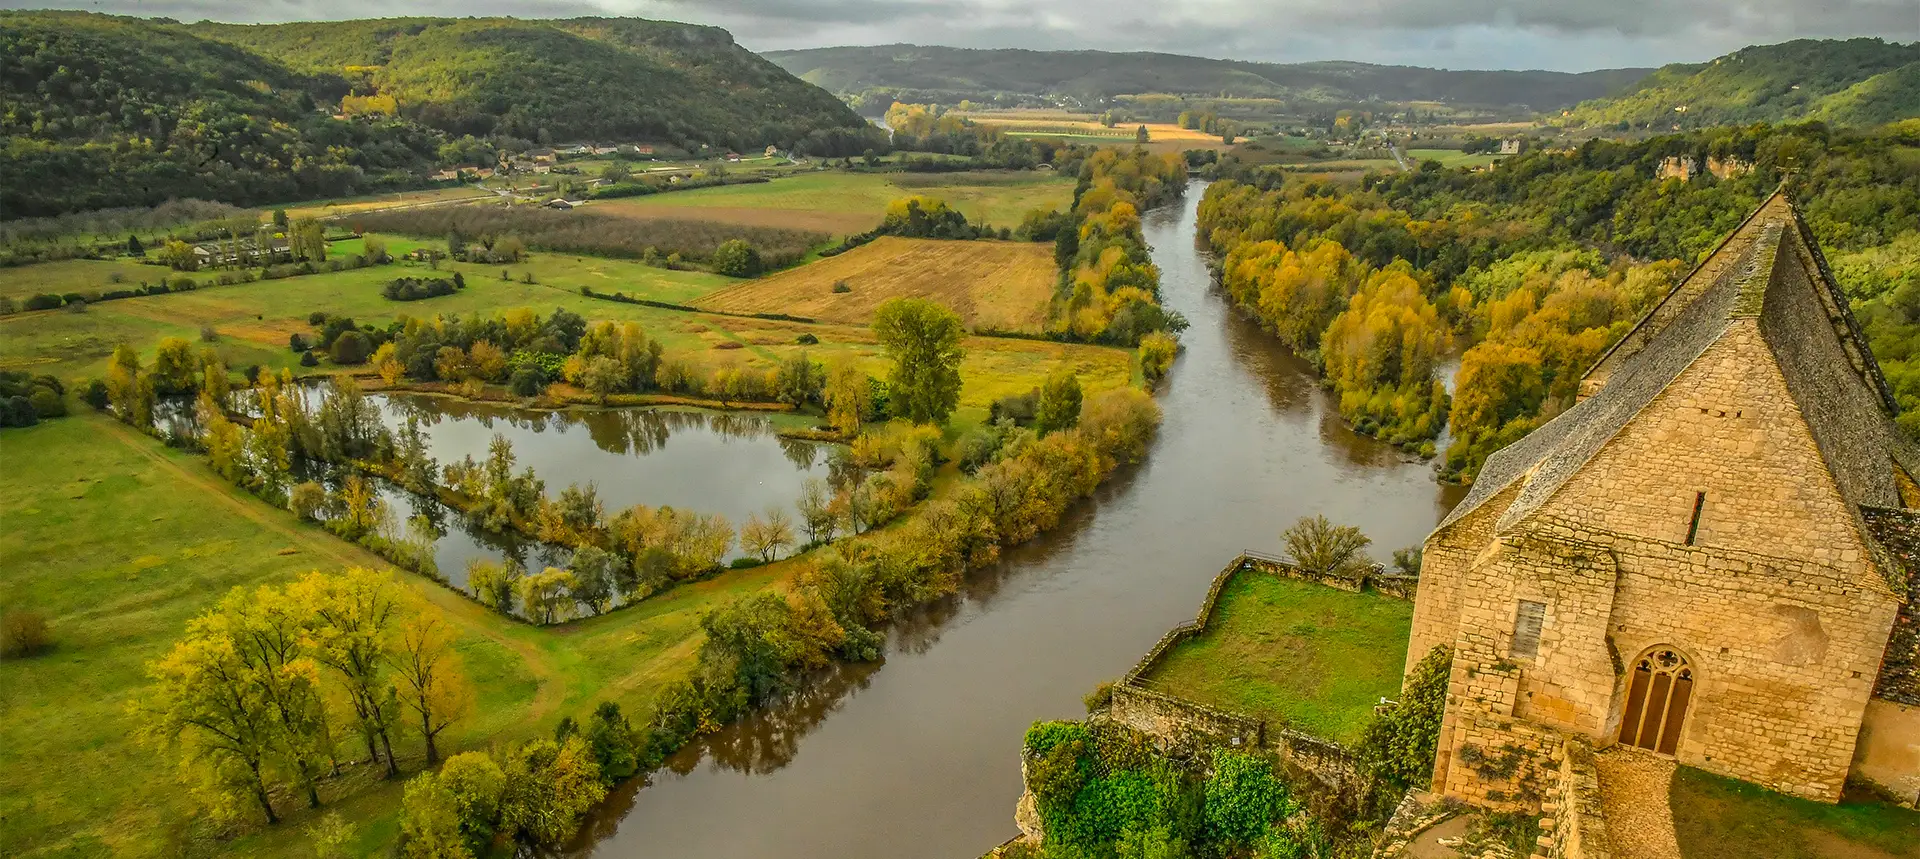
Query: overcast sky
(1568,35)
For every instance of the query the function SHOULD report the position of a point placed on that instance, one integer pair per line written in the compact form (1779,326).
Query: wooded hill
(605,79)
(1851,82)
(956,73)
(102,111)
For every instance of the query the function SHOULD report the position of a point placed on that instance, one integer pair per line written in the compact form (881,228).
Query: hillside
(578,79)
(133,112)
(101,111)
(1093,75)
(1852,82)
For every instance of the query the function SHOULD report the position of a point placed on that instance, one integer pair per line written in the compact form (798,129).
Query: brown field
(835,223)
(994,286)
(1086,128)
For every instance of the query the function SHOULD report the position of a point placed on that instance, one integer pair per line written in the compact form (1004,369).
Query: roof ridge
(1756,270)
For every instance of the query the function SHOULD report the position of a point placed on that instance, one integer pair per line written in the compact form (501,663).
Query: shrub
(807,340)
(307,359)
(44,301)
(208,335)
(317,318)
(306,499)
(840,287)
(297,342)
(94,393)
(528,381)
(351,347)
(736,258)
(46,403)
(23,632)
(416,288)
(1099,698)
(743,563)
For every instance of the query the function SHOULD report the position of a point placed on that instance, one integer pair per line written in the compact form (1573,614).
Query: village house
(1711,557)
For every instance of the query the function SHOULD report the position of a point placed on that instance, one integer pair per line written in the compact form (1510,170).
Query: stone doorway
(1658,692)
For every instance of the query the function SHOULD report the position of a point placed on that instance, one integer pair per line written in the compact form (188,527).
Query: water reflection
(921,758)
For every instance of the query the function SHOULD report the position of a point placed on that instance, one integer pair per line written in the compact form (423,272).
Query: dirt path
(1635,789)
(465,612)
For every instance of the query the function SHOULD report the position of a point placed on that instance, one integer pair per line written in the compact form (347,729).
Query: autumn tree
(547,594)
(765,537)
(923,339)
(354,616)
(848,396)
(206,708)
(433,685)
(1059,404)
(816,512)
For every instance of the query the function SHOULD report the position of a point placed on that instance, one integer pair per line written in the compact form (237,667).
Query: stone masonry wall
(1899,532)
(1449,554)
(1729,428)
(1574,826)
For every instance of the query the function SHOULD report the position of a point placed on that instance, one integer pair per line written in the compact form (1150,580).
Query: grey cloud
(1570,35)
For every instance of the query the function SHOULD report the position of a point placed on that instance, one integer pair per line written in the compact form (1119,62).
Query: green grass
(253,322)
(119,541)
(1451,157)
(1715,817)
(84,276)
(998,198)
(1295,653)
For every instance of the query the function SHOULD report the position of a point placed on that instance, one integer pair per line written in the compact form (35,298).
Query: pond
(920,756)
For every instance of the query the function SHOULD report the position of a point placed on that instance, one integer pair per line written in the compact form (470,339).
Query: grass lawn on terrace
(1294,653)
(846,203)
(78,275)
(119,541)
(1717,817)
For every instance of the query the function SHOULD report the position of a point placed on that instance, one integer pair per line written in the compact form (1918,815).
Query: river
(919,756)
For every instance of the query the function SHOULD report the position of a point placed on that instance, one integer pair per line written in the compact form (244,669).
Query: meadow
(1294,653)
(1452,157)
(997,286)
(847,203)
(73,781)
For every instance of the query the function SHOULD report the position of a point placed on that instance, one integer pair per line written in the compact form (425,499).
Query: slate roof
(1771,270)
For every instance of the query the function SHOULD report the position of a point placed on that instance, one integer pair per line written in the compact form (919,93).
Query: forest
(1860,82)
(136,112)
(1532,269)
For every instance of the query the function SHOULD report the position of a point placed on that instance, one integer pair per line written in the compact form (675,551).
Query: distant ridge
(976,73)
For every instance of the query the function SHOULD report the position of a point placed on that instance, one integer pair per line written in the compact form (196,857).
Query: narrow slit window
(1693,528)
(1527,621)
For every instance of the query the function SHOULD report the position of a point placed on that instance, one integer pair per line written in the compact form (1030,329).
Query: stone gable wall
(1727,427)
(1448,556)
(1898,531)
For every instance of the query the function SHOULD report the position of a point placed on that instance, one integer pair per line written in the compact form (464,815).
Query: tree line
(596,234)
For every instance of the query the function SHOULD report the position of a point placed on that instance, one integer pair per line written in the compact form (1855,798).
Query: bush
(736,258)
(307,359)
(94,393)
(297,342)
(24,632)
(317,318)
(841,287)
(350,348)
(46,403)
(44,301)
(208,335)
(416,288)
(528,381)
(807,340)
(744,563)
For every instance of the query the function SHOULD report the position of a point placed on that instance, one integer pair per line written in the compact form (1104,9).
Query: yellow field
(994,286)
(1081,126)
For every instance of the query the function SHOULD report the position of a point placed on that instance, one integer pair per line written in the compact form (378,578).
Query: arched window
(1658,690)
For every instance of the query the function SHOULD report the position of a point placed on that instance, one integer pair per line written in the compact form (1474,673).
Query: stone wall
(1573,825)
(1181,724)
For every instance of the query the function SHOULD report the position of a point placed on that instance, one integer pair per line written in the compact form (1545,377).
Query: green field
(1451,157)
(253,322)
(841,203)
(1715,817)
(73,781)
(1294,653)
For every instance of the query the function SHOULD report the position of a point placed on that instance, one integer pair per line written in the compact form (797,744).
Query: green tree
(736,258)
(1140,135)
(475,782)
(799,380)
(430,821)
(549,786)
(547,594)
(1059,404)
(1397,748)
(923,339)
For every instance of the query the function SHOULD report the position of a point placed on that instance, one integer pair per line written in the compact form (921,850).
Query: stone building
(1710,556)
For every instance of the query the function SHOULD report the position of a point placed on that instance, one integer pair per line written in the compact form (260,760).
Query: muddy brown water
(919,755)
